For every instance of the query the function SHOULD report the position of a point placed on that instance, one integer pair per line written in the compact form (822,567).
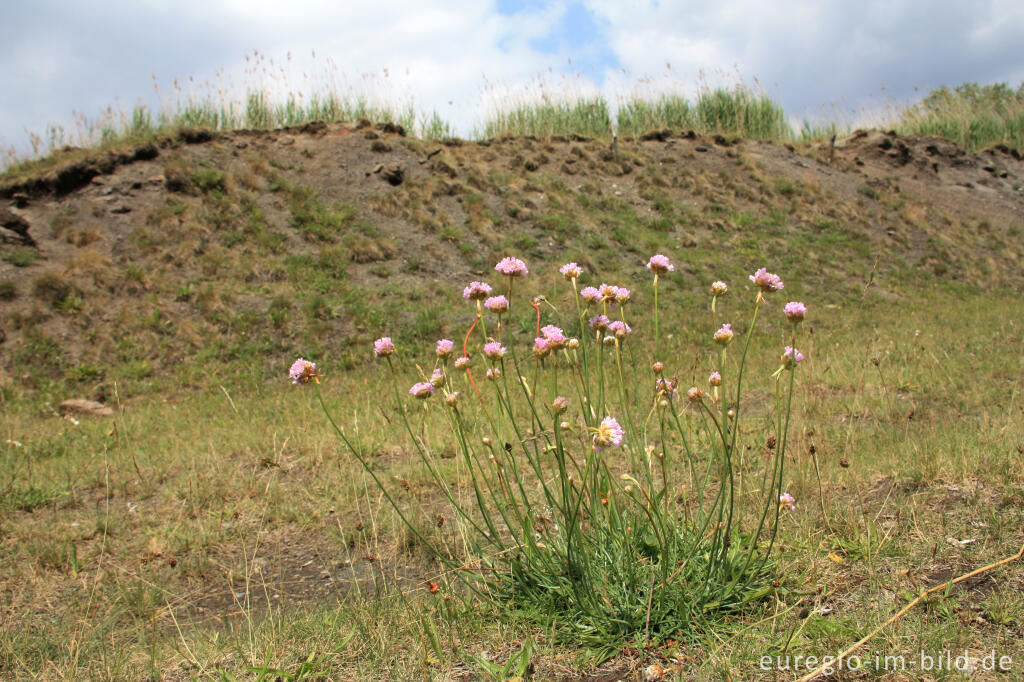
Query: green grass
(160,538)
(974,117)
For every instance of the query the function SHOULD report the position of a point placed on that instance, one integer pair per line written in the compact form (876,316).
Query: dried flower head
(766,281)
(383,347)
(497,304)
(665,387)
(695,395)
(452,399)
(477,291)
(658,367)
(302,372)
(723,336)
(608,292)
(462,362)
(511,267)
(719,288)
(608,434)
(573,343)
(715,379)
(599,322)
(571,271)
(445,348)
(493,373)
(795,311)
(559,405)
(660,264)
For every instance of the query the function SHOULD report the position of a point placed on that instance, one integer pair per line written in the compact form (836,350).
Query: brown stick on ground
(856,645)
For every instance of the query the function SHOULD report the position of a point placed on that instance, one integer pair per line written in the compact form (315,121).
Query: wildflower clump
(603,505)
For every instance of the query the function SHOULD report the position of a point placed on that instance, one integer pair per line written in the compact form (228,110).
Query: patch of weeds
(661,224)
(869,192)
(280,311)
(316,220)
(785,187)
(381,270)
(56,555)
(210,180)
(85,372)
(21,257)
(366,250)
(30,498)
(58,292)
(61,221)
(526,243)
(426,325)
(560,223)
(317,308)
(39,354)
(8,290)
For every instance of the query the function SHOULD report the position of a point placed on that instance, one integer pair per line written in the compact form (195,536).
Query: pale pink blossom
(383,347)
(659,264)
(511,267)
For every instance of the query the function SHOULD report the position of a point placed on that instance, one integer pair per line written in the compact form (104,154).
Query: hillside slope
(208,251)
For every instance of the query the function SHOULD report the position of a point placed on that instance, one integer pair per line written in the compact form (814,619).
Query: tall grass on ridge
(973,116)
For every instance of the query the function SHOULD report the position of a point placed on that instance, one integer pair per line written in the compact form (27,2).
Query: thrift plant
(599,499)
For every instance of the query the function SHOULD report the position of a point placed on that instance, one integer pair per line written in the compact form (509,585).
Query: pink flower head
(477,291)
(437,379)
(554,336)
(599,322)
(791,357)
(723,336)
(497,304)
(511,267)
(571,271)
(462,362)
(541,347)
(590,294)
(421,390)
(302,372)
(622,295)
(660,264)
(767,281)
(608,434)
(715,379)
(719,288)
(445,347)
(494,350)
(608,292)
(559,405)
(787,501)
(383,347)
(795,311)
(620,328)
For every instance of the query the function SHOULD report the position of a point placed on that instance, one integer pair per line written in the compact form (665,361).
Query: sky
(466,58)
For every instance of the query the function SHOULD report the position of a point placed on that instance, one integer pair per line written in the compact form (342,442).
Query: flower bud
(658,368)
(695,394)
(559,405)
(462,363)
